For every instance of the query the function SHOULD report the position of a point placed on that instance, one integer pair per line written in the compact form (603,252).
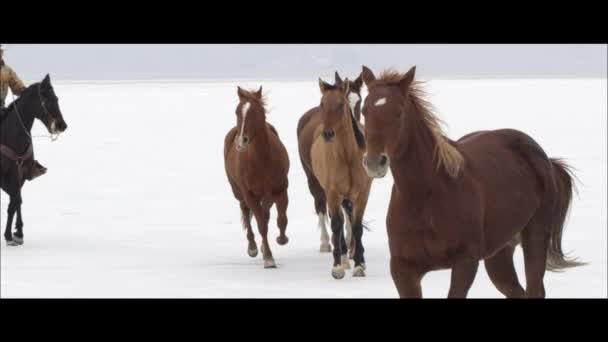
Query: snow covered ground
(136,202)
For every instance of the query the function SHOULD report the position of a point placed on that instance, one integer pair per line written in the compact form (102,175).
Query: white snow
(136,202)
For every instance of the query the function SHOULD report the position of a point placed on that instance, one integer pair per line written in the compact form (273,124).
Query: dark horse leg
(359,270)
(14,204)
(337,236)
(18,236)
(502,273)
(406,277)
(463,275)
(358,211)
(252,248)
(282,201)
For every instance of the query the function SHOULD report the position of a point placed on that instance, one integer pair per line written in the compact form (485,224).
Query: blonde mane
(447,156)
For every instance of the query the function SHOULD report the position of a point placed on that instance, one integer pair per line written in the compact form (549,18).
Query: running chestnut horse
(38,101)
(331,146)
(307,126)
(257,164)
(456,203)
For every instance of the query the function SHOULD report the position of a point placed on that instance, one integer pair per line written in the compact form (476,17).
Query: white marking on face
(353,99)
(53,126)
(244,111)
(380,102)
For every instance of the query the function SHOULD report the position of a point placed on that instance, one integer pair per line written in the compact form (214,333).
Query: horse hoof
(269,263)
(11,243)
(282,240)
(359,271)
(18,240)
(337,272)
(345,262)
(252,252)
(325,248)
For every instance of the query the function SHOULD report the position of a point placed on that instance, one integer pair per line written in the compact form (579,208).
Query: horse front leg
(337,236)
(18,236)
(282,201)
(261,212)
(14,204)
(358,254)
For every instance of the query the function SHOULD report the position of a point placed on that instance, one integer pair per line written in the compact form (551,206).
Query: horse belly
(510,202)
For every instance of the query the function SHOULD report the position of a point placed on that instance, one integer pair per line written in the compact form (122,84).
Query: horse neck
(412,163)
(12,129)
(347,137)
(261,146)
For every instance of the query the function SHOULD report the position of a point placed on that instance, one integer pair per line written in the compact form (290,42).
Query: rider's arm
(15,83)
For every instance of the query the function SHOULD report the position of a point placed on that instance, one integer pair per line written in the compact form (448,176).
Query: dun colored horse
(306,133)
(456,203)
(331,147)
(38,101)
(257,164)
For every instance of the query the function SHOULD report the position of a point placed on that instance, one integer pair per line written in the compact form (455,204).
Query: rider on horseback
(8,78)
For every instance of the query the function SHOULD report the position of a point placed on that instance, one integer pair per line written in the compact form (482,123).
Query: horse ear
(357,83)
(46,81)
(368,76)
(338,80)
(407,80)
(323,86)
(259,93)
(240,92)
(345,86)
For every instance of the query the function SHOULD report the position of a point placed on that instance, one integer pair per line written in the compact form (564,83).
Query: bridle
(52,136)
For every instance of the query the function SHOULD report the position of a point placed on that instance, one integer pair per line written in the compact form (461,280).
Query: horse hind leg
(535,241)
(320,202)
(321,210)
(502,273)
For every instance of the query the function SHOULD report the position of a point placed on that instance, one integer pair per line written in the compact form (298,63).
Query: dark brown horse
(456,203)
(257,165)
(306,133)
(331,147)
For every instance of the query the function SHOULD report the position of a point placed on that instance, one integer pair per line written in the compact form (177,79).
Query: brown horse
(257,164)
(306,133)
(456,203)
(331,148)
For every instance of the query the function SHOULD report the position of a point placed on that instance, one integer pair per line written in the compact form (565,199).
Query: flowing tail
(556,259)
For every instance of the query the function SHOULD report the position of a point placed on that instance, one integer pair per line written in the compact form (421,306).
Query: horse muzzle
(241,143)
(376,167)
(56,127)
(328,135)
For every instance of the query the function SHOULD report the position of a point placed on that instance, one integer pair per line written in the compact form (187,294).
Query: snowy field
(136,202)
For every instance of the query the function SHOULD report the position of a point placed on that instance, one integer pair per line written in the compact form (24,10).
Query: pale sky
(301,61)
